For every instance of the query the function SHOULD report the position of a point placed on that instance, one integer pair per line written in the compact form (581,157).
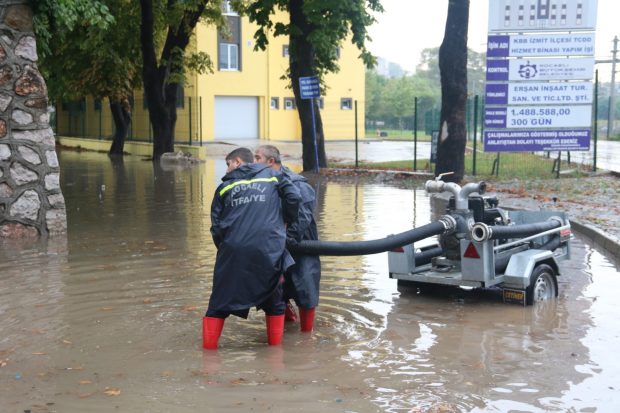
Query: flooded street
(109,319)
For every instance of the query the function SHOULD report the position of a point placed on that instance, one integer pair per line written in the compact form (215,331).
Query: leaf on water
(112,391)
(106,308)
(85,395)
(6,352)
(240,380)
(40,408)
(66,342)
(39,353)
(147,301)
(85,382)
(189,308)
(4,362)
(149,242)
(167,373)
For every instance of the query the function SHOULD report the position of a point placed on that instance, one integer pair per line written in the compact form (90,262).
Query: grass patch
(511,166)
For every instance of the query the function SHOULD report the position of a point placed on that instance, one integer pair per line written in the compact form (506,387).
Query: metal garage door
(236,117)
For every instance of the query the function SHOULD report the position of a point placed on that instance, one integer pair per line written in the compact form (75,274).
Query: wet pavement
(109,318)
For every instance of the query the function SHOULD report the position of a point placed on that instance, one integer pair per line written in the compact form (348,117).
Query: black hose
(424,257)
(369,247)
(522,231)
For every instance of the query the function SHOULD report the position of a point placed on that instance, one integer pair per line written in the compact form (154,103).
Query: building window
(346,103)
(227,9)
(289,104)
(229,56)
(180,103)
(97,104)
(337,52)
(275,103)
(285,52)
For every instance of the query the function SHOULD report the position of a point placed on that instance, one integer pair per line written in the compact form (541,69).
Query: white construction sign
(540,69)
(536,93)
(519,117)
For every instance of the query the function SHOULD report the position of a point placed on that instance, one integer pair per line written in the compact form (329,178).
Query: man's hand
(291,243)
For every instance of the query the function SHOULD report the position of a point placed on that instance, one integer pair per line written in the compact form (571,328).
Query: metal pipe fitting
(461,194)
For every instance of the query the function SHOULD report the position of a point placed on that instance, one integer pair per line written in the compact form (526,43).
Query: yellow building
(245,97)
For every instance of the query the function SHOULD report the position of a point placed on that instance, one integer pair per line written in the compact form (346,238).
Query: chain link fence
(425,122)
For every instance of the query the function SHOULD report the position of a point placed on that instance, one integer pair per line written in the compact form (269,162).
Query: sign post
(310,88)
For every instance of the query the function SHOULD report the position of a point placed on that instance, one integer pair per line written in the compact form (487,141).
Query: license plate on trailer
(514,296)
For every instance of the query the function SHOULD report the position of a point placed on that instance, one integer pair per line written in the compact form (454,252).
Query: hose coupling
(449,223)
(480,232)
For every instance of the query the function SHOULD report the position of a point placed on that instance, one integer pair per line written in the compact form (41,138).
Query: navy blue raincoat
(248,214)
(303,278)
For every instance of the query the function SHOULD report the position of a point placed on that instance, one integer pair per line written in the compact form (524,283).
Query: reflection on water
(109,318)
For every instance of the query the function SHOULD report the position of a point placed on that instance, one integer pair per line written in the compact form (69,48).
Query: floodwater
(109,319)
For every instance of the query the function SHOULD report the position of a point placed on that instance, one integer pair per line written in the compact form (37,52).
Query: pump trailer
(480,245)
(486,246)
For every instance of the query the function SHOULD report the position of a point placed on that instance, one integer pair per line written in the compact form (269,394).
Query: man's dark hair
(244,154)
(271,152)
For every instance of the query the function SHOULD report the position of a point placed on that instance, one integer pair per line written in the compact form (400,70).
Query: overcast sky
(408,26)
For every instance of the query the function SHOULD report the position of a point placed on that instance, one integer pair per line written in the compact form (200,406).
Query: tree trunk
(301,65)
(122,119)
(453,70)
(160,91)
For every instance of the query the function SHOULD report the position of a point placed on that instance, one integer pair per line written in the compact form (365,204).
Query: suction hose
(444,225)
(483,232)
(425,257)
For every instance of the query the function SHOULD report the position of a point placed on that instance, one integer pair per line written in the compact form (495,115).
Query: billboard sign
(540,45)
(540,69)
(542,15)
(537,140)
(521,117)
(522,93)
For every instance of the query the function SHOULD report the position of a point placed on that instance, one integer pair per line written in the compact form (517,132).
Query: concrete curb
(605,241)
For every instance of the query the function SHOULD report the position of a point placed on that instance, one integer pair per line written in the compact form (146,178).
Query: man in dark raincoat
(302,279)
(248,216)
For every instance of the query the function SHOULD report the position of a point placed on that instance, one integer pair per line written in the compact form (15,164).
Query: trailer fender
(522,264)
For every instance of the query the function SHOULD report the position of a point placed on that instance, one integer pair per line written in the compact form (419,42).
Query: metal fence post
(415,134)
(595,121)
(100,118)
(356,137)
(475,134)
(190,119)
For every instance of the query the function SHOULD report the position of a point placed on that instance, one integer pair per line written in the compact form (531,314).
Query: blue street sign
(309,87)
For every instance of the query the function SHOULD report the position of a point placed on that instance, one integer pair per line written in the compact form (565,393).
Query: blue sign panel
(537,140)
(309,87)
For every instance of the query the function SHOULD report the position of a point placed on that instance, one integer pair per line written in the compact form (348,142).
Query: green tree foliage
(95,56)
(316,29)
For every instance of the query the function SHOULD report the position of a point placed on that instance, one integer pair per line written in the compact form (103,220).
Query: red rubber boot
(307,319)
(275,329)
(211,331)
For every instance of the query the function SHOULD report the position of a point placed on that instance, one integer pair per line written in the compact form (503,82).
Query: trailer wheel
(543,285)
